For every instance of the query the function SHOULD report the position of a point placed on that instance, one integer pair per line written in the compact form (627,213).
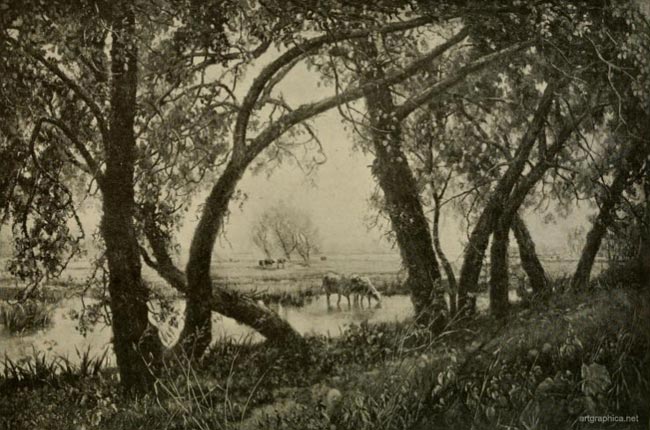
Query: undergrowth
(558,359)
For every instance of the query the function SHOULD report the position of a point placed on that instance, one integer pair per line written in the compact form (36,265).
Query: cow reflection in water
(359,287)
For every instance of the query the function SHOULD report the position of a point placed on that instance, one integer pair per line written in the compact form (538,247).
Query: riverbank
(577,354)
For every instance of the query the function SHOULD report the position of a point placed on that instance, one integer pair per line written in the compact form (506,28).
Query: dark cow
(268,262)
(281,262)
(334,283)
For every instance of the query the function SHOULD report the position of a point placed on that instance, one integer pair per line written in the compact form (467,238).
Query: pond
(63,338)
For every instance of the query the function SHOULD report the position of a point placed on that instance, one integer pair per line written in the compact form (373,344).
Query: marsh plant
(25,316)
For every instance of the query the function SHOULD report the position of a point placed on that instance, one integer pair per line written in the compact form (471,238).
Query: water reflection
(63,339)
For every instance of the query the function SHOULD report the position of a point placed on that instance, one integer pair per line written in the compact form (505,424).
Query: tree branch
(290,57)
(70,83)
(307,111)
(93,166)
(406,108)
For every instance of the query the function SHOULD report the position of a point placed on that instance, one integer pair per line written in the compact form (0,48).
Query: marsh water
(63,338)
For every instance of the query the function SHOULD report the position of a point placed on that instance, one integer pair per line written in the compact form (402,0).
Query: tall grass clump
(40,367)
(26,316)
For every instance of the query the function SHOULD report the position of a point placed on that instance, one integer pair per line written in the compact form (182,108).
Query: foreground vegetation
(24,316)
(553,361)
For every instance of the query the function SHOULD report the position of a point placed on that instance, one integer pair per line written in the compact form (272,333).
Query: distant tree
(262,238)
(575,240)
(286,229)
(307,239)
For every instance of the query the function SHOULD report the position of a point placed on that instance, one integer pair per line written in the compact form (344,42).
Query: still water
(63,338)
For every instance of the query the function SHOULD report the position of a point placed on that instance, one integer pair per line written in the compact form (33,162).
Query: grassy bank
(551,363)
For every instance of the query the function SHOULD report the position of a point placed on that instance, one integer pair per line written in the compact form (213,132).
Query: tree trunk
(528,255)
(644,245)
(499,273)
(470,271)
(135,342)
(603,220)
(480,236)
(202,297)
(452,286)
(197,331)
(403,205)
(266,321)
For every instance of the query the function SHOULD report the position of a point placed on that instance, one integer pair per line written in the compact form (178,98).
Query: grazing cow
(361,287)
(281,262)
(323,258)
(267,262)
(337,284)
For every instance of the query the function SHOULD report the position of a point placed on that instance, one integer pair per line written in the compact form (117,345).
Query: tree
(307,239)
(145,136)
(628,125)
(384,124)
(286,229)
(136,344)
(262,237)
(626,169)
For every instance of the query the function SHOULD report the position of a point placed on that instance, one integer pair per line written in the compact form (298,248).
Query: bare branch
(406,108)
(289,57)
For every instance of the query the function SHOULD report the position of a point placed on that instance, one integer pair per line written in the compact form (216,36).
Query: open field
(245,274)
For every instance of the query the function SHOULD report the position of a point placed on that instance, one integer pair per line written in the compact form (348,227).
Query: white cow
(361,287)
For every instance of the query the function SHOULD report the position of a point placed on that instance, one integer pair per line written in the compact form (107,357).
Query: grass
(40,368)
(24,316)
(568,355)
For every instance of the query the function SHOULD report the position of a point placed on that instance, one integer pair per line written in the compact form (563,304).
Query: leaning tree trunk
(452,286)
(528,255)
(136,344)
(600,225)
(403,205)
(480,236)
(644,245)
(202,297)
(197,330)
(499,274)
